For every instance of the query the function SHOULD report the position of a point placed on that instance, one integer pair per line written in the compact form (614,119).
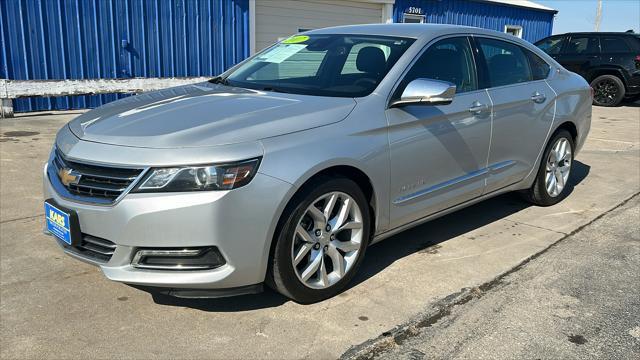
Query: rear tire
(555,170)
(311,261)
(608,90)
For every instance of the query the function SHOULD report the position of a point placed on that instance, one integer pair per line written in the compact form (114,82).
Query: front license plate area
(62,223)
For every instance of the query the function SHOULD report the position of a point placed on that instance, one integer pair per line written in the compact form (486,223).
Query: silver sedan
(282,170)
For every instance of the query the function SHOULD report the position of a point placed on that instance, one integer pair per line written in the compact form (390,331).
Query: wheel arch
(362,180)
(343,169)
(570,127)
(607,71)
(567,125)
(350,171)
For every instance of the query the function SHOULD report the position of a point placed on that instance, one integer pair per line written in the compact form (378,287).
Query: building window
(413,18)
(514,30)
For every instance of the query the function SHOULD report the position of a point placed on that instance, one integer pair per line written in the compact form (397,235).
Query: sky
(579,15)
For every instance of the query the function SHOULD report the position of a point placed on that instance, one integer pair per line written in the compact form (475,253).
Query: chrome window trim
(62,190)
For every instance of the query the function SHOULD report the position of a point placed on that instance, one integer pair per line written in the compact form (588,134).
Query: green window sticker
(296,39)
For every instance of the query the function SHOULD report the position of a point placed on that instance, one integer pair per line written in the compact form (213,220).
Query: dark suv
(610,62)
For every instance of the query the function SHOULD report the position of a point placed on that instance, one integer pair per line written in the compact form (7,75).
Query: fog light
(205,258)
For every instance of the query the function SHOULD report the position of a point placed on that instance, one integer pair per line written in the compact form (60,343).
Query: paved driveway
(54,306)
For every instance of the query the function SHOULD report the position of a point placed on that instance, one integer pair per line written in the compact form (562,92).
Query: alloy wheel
(558,167)
(327,240)
(605,92)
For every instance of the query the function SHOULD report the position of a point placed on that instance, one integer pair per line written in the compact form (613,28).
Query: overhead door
(276,19)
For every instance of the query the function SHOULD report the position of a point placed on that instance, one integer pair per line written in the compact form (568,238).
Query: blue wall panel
(536,24)
(93,39)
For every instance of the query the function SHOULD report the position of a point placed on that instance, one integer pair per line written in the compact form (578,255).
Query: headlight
(199,178)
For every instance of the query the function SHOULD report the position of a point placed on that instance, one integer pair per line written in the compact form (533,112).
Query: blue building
(107,39)
(524,19)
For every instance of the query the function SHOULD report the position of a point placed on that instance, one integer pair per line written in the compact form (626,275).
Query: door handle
(477,107)
(538,98)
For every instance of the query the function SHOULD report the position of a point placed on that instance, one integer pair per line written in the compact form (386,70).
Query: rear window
(539,68)
(614,45)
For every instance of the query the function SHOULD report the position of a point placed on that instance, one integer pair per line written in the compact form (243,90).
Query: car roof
(405,30)
(599,33)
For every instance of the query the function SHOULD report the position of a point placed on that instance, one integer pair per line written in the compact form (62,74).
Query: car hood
(205,115)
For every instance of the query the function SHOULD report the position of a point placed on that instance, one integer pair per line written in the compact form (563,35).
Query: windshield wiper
(272,89)
(219,80)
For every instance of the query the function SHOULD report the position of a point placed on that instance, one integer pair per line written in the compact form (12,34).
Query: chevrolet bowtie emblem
(69,177)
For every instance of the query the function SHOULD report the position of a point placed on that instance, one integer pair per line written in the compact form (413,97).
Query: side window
(447,60)
(614,45)
(583,45)
(539,68)
(551,45)
(506,62)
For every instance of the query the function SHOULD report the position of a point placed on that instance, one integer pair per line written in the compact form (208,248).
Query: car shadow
(267,299)
(631,101)
(424,238)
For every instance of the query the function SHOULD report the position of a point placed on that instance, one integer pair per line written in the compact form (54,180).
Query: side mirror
(427,92)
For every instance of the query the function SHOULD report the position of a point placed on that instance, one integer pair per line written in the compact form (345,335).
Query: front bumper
(240,223)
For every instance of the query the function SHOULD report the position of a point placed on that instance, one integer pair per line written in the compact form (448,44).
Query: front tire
(321,242)
(552,181)
(608,90)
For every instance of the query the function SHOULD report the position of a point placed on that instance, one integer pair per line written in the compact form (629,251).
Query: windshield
(322,65)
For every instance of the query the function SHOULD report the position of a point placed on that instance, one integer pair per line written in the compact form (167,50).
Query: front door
(438,153)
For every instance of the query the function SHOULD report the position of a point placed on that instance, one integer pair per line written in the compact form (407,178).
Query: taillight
(593,92)
(637,57)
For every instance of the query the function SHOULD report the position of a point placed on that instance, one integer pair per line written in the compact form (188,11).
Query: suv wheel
(551,184)
(322,241)
(608,90)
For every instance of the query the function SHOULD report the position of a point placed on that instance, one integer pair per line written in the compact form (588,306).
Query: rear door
(618,54)
(580,54)
(522,109)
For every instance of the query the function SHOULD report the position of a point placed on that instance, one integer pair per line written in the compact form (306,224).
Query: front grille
(93,248)
(101,184)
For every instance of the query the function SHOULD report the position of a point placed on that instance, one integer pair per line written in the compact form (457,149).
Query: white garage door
(276,19)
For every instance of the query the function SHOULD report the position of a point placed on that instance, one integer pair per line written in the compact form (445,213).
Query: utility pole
(598,15)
